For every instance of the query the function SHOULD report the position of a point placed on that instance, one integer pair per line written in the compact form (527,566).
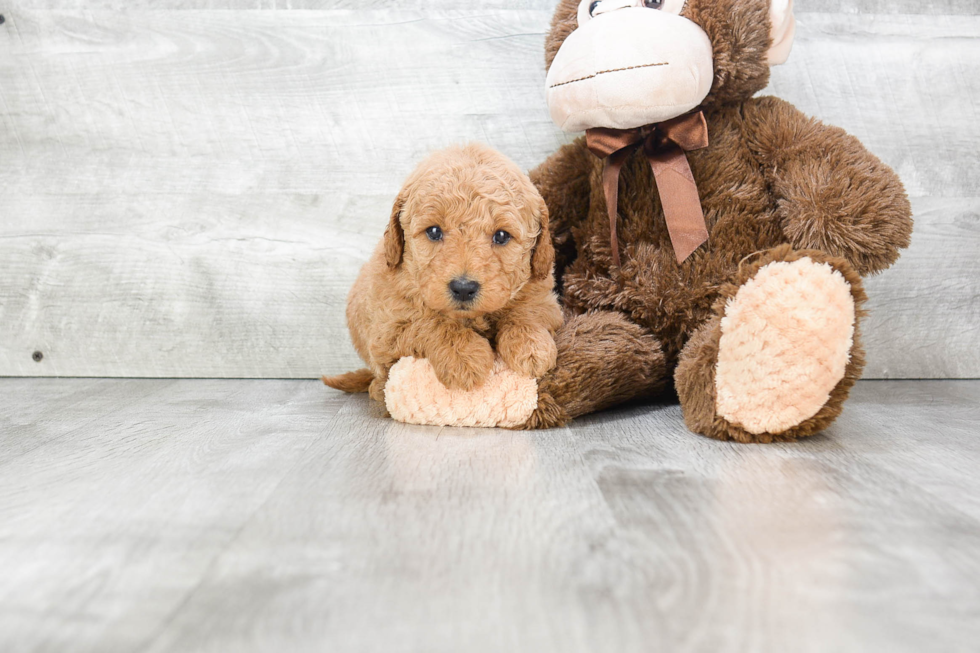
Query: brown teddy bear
(702,234)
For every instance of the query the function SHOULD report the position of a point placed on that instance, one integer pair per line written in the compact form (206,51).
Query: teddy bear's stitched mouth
(612,70)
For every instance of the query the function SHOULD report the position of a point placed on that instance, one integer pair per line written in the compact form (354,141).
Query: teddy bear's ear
(783,30)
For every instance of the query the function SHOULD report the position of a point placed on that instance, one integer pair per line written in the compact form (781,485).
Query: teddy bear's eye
(653,4)
(592,6)
(434,233)
(501,237)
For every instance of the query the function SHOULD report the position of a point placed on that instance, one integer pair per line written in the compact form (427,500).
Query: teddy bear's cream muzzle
(628,68)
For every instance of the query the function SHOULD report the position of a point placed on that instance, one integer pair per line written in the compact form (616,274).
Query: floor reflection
(426,457)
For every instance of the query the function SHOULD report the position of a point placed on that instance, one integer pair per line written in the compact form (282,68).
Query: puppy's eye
(501,237)
(434,233)
(653,4)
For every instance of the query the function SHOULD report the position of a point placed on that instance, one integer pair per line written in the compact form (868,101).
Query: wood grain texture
(938,7)
(191,193)
(112,508)
(276,515)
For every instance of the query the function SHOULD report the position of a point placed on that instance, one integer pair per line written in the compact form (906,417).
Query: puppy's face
(471,231)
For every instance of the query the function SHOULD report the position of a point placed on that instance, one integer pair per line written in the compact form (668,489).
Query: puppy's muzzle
(464,290)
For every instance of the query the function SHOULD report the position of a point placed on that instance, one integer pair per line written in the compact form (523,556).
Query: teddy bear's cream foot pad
(414,395)
(785,343)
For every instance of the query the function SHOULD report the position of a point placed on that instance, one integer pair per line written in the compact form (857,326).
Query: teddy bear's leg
(781,354)
(603,360)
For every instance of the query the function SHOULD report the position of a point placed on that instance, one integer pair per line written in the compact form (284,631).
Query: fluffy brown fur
(773,183)
(401,304)
(591,351)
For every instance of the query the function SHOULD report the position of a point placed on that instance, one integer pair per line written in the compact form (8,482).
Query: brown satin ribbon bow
(664,144)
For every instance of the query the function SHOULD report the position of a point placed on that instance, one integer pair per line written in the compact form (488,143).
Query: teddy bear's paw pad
(413,394)
(785,343)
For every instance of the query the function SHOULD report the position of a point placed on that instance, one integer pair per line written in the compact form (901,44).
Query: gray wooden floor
(160,515)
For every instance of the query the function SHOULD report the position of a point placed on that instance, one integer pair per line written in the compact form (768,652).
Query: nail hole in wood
(37,356)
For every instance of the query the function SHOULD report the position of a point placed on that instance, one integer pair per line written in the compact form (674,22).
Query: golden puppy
(465,266)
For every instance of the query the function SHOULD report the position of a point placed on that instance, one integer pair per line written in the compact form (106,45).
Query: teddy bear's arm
(563,181)
(831,193)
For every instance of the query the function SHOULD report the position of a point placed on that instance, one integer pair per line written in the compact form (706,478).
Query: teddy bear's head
(628,63)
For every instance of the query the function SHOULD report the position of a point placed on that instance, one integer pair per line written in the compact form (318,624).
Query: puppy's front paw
(465,367)
(531,352)
(377,389)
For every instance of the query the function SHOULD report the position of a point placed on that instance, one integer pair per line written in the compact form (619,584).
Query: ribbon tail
(680,200)
(610,186)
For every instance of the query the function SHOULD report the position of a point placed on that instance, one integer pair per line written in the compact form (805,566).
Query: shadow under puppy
(465,267)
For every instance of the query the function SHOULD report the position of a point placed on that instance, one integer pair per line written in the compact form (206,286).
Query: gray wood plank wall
(191,193)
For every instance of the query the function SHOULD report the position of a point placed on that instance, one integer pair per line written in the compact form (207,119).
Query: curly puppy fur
(401,304)
(771,179)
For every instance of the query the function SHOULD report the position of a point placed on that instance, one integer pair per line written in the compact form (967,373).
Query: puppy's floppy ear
(394,234)
(543,253)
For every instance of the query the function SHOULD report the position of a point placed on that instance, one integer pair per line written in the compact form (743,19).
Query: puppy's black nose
(463,289)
